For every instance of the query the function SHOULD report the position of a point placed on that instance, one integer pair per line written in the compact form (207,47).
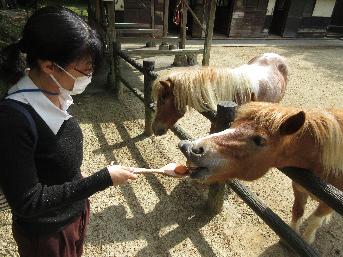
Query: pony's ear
(167,86)
(292,124)
(165,83)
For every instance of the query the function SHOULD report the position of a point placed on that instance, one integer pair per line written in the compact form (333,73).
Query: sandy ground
(161,216)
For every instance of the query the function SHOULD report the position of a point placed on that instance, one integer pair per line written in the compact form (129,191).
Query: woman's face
(79,68)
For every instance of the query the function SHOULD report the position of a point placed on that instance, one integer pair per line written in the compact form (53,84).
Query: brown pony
(266,135)
(264,78)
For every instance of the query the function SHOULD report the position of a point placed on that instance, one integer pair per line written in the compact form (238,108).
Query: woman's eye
(259,141)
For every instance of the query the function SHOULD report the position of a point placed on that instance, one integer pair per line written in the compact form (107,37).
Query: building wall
(248,18)
(309,19)
(316,25)
(138,11)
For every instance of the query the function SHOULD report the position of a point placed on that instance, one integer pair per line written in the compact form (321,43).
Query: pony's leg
(315,221)
(300,199)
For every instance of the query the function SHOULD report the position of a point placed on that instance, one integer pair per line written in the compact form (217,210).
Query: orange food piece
(181,169)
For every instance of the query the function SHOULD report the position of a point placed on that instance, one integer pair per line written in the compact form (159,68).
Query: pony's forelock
(156,86)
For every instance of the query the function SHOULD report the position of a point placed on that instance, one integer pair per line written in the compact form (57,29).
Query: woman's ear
(46,66)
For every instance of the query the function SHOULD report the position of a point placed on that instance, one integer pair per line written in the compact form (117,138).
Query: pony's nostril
(198,149)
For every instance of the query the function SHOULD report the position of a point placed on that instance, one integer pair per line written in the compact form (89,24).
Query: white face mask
(80,83)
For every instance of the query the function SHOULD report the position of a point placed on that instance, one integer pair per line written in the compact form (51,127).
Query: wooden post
(111,19)
(91,14)
(97,11)
(118,89)
(3,4)
(148,81)
(152,23)
(225,115)
(209,34)
(183,29)
(111,38)
(164,44)
(152,15)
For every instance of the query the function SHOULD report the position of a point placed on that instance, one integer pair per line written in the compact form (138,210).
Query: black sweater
(44,187)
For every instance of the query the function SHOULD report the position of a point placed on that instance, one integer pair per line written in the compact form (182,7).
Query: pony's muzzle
(192,150)
(159,131)
(185,146)
(194,153)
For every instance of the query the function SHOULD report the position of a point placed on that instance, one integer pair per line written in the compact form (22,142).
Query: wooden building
(300,18)
(285,18)
(249,18)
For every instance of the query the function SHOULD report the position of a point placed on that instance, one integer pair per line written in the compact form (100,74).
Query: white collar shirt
(50,113)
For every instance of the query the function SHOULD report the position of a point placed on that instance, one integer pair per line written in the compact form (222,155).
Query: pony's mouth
(196,172)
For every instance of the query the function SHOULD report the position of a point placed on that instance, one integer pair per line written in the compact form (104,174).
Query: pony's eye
(259,141)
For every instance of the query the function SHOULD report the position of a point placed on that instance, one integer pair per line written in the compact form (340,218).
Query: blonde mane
(325,125)
(203,88)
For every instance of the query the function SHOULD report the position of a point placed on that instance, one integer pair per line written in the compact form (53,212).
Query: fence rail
(327,193)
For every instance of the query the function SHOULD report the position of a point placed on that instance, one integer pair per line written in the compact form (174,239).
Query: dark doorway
(336,26)
(224,12)
(280,15)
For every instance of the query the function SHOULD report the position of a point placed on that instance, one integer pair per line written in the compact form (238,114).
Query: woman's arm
(18,175)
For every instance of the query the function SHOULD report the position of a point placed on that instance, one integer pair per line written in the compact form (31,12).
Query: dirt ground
(161,216)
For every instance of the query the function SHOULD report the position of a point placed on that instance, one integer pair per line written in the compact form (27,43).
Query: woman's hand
(120,174)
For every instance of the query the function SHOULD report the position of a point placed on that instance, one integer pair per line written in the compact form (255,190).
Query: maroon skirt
(65,243)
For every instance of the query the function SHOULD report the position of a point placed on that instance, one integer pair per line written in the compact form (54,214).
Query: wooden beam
(131,25)
(152,16)
(139,39)
(97,10)
(226,113)
(194,15)
(111,37)
(287,234)
(118,89)
(209,33)
(165,18)
(148,66)
(183,29)
(152,52)
(137,31)
(111,20)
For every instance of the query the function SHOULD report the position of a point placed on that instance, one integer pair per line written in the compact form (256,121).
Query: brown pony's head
(163,94)
(245,151)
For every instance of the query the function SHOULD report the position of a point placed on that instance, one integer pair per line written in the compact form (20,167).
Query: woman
(40,174)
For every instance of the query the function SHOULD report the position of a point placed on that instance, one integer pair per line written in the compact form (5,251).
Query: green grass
(78,6)
(12,21)
(11,24)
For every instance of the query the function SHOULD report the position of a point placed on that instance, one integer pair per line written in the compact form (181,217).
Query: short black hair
(52,33)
